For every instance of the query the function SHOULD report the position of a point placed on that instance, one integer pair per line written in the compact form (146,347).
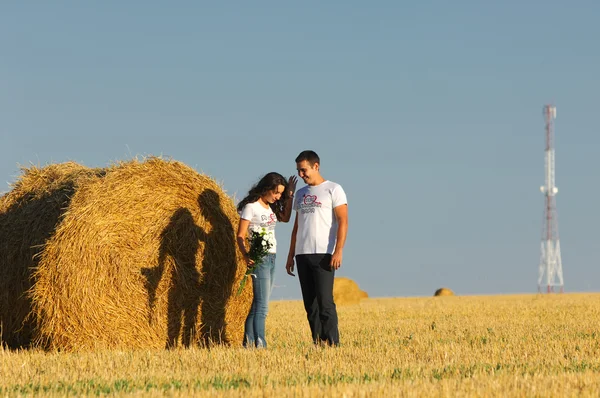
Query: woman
(269,201)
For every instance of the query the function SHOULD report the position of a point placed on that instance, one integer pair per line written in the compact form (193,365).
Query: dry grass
(140,254)
(29,215)
(443,291)
(347,292)
(528,345)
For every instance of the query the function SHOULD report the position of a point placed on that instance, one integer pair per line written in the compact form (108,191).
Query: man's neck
(319,181)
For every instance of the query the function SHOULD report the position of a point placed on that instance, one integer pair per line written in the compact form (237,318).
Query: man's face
(307,172)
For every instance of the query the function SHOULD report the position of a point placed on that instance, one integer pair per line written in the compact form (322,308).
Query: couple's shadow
(190,290)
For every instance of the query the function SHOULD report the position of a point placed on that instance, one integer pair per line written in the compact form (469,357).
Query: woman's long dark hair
(269,182)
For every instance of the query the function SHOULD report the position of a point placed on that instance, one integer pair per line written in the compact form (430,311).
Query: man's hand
(336,260)
(289,266)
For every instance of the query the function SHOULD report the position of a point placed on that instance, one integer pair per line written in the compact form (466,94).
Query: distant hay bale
(346,291)
(143,257)
(29,215)
(444,292)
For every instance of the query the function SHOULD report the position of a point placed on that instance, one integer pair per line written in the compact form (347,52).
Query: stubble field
(525,345)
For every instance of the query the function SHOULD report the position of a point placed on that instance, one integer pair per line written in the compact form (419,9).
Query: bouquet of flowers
(260,242)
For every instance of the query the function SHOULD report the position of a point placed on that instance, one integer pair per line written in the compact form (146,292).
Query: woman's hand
(292,185)
(289,199)
(249,261)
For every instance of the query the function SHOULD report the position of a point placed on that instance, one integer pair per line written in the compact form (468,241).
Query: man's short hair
(310,156)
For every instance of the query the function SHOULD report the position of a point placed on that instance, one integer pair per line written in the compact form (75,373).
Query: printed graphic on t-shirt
(267,221)
(308,204)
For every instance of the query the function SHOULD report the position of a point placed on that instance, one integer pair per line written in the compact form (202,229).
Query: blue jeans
(262,283)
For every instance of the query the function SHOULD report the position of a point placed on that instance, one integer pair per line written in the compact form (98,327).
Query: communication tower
(550,260)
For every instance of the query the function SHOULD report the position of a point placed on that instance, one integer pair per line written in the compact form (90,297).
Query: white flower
(264,242)
(256,229)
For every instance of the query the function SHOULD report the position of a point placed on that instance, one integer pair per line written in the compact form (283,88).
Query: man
(317,243)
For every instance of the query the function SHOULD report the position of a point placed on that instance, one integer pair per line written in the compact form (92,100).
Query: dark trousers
(316,282)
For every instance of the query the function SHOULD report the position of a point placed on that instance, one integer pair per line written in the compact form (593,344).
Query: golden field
(518,345)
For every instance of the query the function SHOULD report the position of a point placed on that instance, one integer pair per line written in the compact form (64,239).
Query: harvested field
(525,345)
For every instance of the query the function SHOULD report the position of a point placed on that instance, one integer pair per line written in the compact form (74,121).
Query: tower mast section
(550,258)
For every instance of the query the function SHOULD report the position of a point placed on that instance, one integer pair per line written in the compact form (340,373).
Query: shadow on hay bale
(443,291)
(144,257)
(29,215)
(346,292)
(190,291)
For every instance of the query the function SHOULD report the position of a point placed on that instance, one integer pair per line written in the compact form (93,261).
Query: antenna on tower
(550,259)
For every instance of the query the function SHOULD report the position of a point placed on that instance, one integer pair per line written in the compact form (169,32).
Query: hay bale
(346,291)
(29,215)
(444,292)
(143,257)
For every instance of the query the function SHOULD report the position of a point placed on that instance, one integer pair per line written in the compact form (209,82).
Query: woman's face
(274,195)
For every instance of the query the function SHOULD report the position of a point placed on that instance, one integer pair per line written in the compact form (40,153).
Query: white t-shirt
(317,224)
(261,217)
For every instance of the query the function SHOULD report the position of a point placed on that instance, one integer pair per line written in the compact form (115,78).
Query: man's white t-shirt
(317,224)
(261,217)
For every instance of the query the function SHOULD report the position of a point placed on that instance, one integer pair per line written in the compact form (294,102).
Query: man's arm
(341,214)
(289,266)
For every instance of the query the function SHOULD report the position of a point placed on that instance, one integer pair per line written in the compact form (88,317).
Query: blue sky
(429,114)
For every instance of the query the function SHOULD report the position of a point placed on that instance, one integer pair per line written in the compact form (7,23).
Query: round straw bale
(346,291)
(29,215)
(443,291)
(145,257)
